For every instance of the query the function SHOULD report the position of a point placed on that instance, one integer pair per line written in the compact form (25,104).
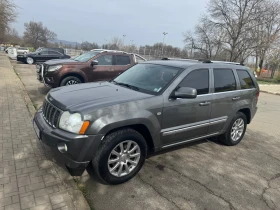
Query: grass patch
(263,82)
(85,192)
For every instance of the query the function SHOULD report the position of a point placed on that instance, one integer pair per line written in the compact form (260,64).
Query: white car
(22,50)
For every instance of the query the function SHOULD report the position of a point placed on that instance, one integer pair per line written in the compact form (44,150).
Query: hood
(88,96)
(62,61)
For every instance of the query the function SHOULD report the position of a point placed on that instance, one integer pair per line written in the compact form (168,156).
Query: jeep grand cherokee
(150,107)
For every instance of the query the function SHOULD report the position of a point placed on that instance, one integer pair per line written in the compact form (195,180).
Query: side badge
(159,113)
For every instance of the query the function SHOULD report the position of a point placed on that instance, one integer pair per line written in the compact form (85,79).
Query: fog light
(62,147)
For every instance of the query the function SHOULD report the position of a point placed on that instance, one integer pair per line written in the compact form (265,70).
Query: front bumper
(80,148)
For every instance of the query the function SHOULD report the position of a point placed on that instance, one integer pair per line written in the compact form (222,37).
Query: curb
(273,93)
(78,199)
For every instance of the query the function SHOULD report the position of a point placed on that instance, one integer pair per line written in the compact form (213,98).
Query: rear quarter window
(245,79)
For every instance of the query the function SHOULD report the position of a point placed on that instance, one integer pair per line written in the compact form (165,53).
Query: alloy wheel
(71,82)
(124,158)
(237,129)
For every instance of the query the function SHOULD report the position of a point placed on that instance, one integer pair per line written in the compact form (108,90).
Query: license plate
(36,129)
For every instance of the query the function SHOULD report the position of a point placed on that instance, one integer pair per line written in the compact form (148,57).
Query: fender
(106,123)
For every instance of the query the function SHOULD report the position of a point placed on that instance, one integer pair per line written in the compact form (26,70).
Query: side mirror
(94,62)
(38,53)
(185,92)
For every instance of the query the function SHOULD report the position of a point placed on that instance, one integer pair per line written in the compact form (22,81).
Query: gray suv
(154,105)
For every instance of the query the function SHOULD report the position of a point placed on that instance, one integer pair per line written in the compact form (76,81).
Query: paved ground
(204,175)
(29,177)
(274,89)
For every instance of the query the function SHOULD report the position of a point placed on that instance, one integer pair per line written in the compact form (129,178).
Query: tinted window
(245,79)
(224,80)
(105,60)
(122,60)
(54,53)
(198,79)
(44,52)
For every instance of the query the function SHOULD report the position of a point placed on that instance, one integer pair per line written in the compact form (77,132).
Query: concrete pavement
(29,176)
(202,175)
(272,89)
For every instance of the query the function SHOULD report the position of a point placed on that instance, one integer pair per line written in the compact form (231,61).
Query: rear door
(122,63)
(225,98)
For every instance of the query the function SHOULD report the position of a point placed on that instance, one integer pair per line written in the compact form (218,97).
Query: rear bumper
(80,148)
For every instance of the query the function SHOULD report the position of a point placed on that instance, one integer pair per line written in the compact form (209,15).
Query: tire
(105,153)
(228,138)
(71,80)
(29,60)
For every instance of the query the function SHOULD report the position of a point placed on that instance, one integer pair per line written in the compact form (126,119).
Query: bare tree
(237,18)
(8,15)
(267,34)
(13,37)
(37,35)
(206,39)
(89,46)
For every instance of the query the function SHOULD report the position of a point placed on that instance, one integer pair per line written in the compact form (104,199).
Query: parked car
(150,107)
(41,56)
(22,50)
(7,49)
(96,65)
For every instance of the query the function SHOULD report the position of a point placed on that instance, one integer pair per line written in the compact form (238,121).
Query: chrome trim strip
(232,91)
(80,136)
(190,140)
(211,122)
(167,133)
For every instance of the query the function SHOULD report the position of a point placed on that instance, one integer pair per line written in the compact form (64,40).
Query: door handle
(236,98)
(206,103)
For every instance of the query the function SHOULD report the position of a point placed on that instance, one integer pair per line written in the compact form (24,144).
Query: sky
(142,21)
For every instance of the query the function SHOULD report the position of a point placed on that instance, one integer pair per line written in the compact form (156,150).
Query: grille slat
(51,114)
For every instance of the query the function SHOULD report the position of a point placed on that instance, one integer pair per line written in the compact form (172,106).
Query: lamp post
(164,33)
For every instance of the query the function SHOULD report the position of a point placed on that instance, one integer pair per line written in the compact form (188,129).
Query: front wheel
(29,60)
(120,156)
(235,131)
(71,80)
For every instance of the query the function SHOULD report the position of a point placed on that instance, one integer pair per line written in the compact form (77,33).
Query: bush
(276,79)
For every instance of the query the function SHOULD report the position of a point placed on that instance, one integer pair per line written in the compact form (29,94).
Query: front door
(54,55)
(188,119)
(104,71)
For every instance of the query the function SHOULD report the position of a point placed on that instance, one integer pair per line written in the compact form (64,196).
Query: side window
(45,52)
(139,59)
(105,60)
(122,60)
(245,79)
(198,79)
(54,53)
(224,80)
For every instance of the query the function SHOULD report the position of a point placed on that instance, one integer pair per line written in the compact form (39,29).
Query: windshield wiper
(126,85)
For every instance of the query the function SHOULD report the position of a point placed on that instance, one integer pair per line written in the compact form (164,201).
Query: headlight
(54,68)
(73,123)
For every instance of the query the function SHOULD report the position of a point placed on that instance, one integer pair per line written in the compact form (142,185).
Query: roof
(184,63)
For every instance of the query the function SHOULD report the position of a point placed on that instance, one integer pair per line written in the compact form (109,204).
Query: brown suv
(96,65)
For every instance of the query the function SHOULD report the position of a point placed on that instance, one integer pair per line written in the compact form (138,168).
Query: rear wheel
(235,131)
(29,60)
(120,156)
(71,80)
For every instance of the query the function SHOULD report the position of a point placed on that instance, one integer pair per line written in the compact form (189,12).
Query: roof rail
(203,61)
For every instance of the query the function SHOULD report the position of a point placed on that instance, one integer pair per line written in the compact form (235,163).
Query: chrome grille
(51,114)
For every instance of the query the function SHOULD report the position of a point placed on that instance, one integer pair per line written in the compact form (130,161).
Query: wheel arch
(247,113)
(74,74)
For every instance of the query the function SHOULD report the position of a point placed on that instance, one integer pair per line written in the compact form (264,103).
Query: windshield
(86,56)
(149,78)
